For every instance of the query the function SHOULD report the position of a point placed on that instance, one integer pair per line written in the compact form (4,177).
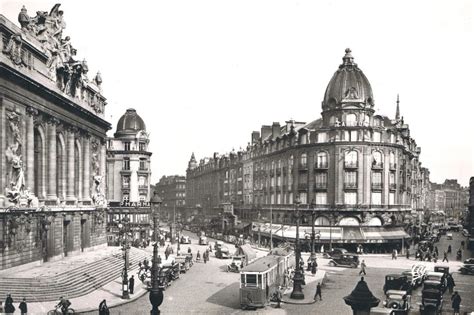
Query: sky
(204,74)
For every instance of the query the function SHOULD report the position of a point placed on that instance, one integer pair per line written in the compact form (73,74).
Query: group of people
(9,308)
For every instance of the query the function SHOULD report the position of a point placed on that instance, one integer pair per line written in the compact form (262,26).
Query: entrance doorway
(65,237)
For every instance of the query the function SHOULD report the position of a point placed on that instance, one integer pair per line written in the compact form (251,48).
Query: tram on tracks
(262,278)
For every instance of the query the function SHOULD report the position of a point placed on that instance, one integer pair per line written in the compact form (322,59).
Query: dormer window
(126,146)
(142,146)
(351,120)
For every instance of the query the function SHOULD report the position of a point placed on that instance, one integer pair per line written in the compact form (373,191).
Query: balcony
(320,186)
(393,166)
(377,186)
(321,166)
(350,165)
(303,186)
(350,185)
(377,165)
(303,167)
(393,186)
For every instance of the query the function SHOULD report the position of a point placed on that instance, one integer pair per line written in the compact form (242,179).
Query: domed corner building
(354,173)
(128,179)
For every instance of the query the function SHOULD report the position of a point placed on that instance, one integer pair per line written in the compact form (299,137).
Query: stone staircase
(73,283)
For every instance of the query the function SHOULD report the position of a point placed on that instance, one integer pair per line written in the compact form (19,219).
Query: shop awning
(266,228)
(241,226)
(326,233)
(382,234)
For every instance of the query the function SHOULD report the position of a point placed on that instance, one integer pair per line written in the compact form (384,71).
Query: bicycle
(57,311)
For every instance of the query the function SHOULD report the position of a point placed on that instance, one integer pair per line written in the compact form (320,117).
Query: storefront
(133,219)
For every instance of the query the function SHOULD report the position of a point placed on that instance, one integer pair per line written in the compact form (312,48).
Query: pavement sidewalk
(111,292)
(309,289)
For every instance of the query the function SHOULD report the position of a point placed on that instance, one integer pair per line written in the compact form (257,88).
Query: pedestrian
(362,268)
(103,308)
(394,254)
(462,244)
(189,250)
(408,254)
(456,302)
(449,249)
(322,248)
(445,256)
(318,292)
(436,250)
(204,256)
(23,307)
(450,283)
(9,307)
(131,284)
(278,297)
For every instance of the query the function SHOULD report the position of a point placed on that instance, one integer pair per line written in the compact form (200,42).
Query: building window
(278,181)
(142,182)
(391,198)
(351,120)
(278,198)
(321,180)
(391,180)
(304,160)
(290,164)
(125,198)
(126,182)
(350,180)
(290,198)
(322,137)
(273,182)
(376,198)
(272,199)
(350,198)
(142,164)
(377,136)
(126,163)
(142,146)
(321,198)
(322,160)
(376,180)
(303,198)
(392,160)
(392,138)
(353,135)
(350,159)
(365,120)
(377,159)
(126,146)
(142,198)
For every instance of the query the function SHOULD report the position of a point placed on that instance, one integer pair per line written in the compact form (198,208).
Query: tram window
(259,281)
(242,279)
(251,280)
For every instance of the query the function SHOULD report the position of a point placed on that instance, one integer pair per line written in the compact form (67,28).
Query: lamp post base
(125,295)
(298,280)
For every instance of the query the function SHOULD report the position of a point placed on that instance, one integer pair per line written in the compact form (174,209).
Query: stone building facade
(172,191)
(358,170)
(52,144)
(128,179)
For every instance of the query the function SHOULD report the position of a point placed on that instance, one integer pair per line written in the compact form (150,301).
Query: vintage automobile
(222,252)
(183,262)
(218,244)
(435,280)
(345,260)
(236,264)
(203,240)
(396,282)
(443,269)
(431,302)
(399,301)
(449,236)
(335,253)
(185,239)
(468,267)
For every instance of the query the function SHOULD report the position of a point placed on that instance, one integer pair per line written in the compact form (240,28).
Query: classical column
(70,164)
(80,171)
(86,167)
(30,148)
(52,168)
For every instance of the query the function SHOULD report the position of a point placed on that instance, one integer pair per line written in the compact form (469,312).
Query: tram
(260,279)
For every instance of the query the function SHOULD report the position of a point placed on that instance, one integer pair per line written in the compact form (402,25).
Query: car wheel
(332,264)
(354,266)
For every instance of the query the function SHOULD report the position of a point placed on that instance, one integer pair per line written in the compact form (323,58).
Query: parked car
(222,252)
(467,269)
(443,269)
(185,240)
(218,244)
(465,233)
(237,263)
(203,240)
(345,260)
(399,301)
(435,280)
(449,236)
(396,282)
(431,301)
(335,252)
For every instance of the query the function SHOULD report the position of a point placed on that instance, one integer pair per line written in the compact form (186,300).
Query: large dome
(130,123)
(348,85)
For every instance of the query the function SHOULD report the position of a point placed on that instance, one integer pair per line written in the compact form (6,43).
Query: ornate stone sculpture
(98,196)
(13,49)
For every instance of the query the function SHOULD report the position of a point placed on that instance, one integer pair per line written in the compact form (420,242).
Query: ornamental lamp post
(156,293)
(313,214)
(155,204)
(298,278)
(125,247)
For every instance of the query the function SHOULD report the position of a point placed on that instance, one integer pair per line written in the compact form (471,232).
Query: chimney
(255,137)
(266,131)
(276,131)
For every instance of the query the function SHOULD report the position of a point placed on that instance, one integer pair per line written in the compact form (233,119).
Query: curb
(323,278)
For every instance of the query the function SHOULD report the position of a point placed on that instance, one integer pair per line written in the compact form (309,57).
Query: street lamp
(313,214)
(125,248)
(155,203)
(298,278)
(156,293)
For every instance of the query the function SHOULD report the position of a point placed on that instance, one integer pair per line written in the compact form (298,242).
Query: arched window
(392,160)
(322,160)
(350,159)
(365,119)
(349,221)
(351,120)
(375,221)
(321,221)
(377,160)
(290,163)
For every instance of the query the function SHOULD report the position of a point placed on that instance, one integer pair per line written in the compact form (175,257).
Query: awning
(241,226)
(326,233)
(266,228)
(384,234)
